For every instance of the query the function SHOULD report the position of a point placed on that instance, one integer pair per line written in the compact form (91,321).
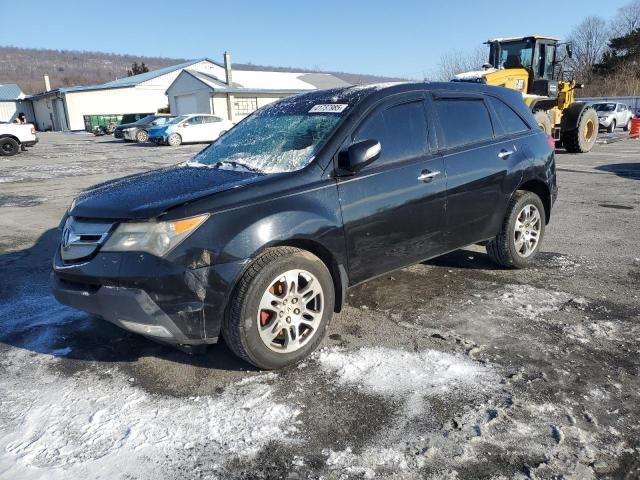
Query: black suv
(139,131)
(257,238)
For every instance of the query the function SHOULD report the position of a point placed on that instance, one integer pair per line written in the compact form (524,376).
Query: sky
(392,38)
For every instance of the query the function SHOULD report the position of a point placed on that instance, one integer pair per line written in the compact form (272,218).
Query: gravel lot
(449,369)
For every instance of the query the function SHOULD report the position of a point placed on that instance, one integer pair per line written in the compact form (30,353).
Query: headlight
(157,238)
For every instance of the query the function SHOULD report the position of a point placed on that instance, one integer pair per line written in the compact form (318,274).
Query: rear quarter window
(510,120)
(463,121)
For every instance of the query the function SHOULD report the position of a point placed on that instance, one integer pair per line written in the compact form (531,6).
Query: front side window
(401,131)
(510,120)
(177,120)
(463,121)
(194,121)
(281,137)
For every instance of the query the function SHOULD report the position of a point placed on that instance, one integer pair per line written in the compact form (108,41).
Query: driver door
(191,129)
(393,209)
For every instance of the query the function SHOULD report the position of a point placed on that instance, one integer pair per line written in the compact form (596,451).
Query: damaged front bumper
(148,295)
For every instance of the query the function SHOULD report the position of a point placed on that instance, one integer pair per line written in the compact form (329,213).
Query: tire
(627,126)
(247,327)
(543,121)
(142,136)
(174,140)
(611,127)
(8,147)
(503,249)
(583,138)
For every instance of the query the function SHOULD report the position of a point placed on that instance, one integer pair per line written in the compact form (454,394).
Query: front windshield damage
(281,137)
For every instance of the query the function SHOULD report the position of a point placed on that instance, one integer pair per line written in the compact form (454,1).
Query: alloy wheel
(527,230)
(290,311)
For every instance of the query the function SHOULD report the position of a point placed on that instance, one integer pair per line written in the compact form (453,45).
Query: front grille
(81,239)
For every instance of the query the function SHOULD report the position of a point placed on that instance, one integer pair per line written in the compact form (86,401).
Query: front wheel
(611,127)
(142,136)
(583,137)
(521,234)
(627,126)
(281,308)
(8,147)
(174,140)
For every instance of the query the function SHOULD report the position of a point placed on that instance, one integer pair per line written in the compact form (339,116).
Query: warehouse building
(13,101)
(198,86)
(235,94)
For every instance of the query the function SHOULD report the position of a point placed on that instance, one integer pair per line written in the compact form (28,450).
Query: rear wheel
(627,126)
(174,140)
(543,121)
(518,241)
(142,136)
(281,308)
(611,127)
(8,147)
(583,138)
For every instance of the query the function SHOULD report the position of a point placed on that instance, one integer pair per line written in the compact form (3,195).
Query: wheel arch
(338,271)
(13,137)
(541,189)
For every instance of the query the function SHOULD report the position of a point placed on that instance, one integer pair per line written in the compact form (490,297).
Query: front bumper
(143,294)
(605,122)
(117,133)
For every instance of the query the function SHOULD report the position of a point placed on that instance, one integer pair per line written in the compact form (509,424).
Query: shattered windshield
(282,137)
(604,107)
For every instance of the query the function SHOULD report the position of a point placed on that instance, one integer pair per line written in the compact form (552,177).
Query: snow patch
(393,372)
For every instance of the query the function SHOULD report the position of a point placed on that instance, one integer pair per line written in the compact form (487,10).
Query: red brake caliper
(264,317)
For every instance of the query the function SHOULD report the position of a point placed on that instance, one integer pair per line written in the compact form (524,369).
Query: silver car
(612,115)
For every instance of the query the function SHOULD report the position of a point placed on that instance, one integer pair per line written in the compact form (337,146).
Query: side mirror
(569,48)
(359,155)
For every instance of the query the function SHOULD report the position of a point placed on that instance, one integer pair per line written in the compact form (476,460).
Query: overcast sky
(395,38)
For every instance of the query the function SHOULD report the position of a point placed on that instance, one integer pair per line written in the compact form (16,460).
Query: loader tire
(543,121)
(583,138)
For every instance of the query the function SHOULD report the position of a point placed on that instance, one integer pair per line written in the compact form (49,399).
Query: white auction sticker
(329,108)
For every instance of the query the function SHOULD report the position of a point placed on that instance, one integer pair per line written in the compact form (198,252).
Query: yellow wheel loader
(529,64)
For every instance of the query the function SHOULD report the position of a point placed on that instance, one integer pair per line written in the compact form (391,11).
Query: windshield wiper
(239,164)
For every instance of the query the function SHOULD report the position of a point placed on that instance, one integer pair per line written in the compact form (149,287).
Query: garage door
(186,104)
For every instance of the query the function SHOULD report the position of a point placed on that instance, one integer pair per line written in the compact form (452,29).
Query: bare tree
(627,19)
(589,41)
(456,61)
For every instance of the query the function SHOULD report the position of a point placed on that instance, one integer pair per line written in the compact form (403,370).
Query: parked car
(196,128)
(14,136)
(258,237)
(139,131)
(612,115)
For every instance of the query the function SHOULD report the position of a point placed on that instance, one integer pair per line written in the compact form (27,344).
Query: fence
(632,102)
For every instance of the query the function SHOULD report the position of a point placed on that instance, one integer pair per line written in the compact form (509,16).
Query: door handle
(426,176)
(504,154)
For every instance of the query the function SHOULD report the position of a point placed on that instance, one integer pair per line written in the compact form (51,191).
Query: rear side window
(463,121)
(511,121)
(401,131)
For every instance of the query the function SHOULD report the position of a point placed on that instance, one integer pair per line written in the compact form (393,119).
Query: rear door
(393,210)
(478,158)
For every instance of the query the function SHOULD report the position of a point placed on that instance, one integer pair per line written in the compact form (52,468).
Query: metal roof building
(74,108)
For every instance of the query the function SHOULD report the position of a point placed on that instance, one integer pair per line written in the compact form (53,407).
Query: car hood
(125,125)
(147,195)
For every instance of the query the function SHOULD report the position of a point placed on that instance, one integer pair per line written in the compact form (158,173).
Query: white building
(13,102)
(235,94)
(198,86)
(71,108)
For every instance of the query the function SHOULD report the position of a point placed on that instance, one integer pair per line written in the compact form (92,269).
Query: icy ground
(451,369)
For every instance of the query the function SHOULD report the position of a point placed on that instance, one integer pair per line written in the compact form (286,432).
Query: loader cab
(537,55)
